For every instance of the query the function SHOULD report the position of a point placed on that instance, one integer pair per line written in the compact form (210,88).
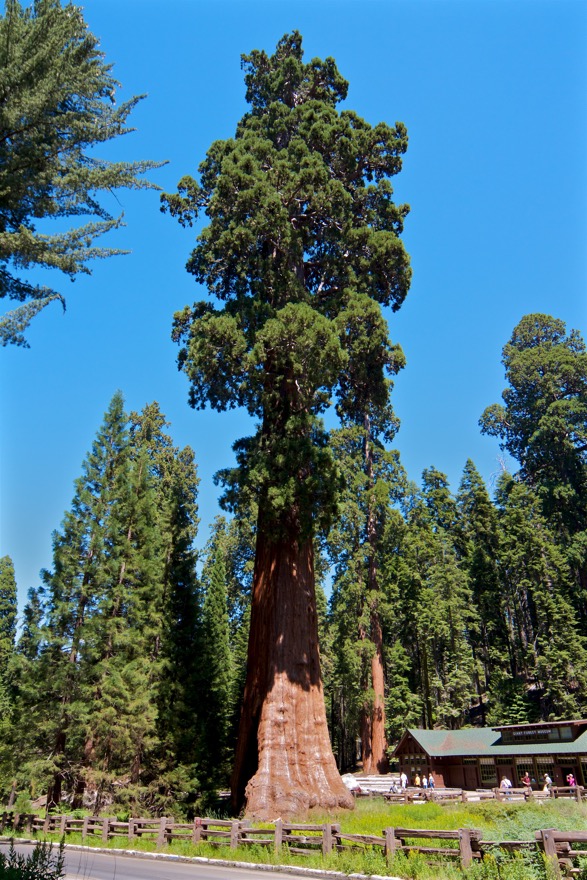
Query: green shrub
(41,864)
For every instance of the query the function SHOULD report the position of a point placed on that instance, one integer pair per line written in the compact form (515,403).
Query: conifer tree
(477,534)
(303,239)
(543,424)
(437,610)
(57,103)
(171,773)
(216,672)
(101,661)
(548,653)
(7,661)
(7,631)
(373,483)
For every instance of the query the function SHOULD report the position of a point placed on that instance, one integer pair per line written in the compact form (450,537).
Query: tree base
(296,771)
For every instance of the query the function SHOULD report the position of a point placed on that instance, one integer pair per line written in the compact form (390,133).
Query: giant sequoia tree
(302,239)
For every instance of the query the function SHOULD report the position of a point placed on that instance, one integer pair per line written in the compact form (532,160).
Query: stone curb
(170,857)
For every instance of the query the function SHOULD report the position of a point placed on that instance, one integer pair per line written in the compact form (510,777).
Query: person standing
(403,780)
(431,781)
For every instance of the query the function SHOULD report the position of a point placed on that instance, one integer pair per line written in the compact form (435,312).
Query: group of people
(424,781)
(506,784)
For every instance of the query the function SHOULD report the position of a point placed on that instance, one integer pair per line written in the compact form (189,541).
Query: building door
(505,770)
(471,781)
(566,769)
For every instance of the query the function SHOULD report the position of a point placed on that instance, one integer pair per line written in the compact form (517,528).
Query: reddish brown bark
(373,739)
(284,763)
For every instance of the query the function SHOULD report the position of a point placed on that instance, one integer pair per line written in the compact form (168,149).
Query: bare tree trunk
(284,763)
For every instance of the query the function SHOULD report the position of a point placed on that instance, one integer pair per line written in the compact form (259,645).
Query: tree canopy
(301,251)
(57,102)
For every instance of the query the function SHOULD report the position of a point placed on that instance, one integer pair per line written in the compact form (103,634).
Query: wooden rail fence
(463,845)
(459,795)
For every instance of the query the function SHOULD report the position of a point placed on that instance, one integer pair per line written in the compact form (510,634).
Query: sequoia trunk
(284,763)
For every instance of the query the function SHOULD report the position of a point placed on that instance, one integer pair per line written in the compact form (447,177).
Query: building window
(504,760)
(544,765)
(487,771)
(523,766)
(470,761)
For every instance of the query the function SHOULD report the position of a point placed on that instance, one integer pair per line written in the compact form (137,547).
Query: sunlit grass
(496,821)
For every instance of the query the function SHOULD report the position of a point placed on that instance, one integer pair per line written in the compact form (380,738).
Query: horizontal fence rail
(463,845)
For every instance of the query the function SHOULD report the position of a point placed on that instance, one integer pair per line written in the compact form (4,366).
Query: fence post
(390,843)
(131,828)
(463,796)
(62,824)
(326,839)
(579,793)
(105,830)
(234,829)
(465,847)
(197,831)
(278,835)
(161,832)
(28,824)
(85,827)
(550,852)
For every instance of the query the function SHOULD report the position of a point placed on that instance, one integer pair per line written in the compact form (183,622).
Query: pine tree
(303,239)
(548,653)
(216,672)
(7,631)
(477,532)
(436,605)
(7,669)
(58,101)
(109,669)
(171,774)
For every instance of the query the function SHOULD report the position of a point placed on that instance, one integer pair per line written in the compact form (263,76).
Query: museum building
(478,757)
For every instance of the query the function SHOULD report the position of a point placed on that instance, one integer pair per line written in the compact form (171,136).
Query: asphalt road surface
(105,866)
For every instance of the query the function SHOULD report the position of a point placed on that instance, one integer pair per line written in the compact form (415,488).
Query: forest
(338,601)
(128,672)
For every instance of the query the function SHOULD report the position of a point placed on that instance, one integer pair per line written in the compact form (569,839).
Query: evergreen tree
(436,605)
(171,774)
(7,661)
(58,101)
(477,532)
(7,631)
(102,671)
(373,483)
(303,240)
(543,424)
(548,654)
(216,672)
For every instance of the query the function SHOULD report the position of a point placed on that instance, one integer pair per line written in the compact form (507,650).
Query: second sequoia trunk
(284,762)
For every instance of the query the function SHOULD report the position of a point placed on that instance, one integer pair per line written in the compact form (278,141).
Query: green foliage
(7,633)
(51,68)
(543,424)
(106,664)
(41,864)
(302,248)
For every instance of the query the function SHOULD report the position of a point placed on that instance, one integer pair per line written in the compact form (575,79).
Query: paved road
(102,866)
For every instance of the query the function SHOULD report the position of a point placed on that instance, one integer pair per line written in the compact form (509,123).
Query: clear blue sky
(493,93)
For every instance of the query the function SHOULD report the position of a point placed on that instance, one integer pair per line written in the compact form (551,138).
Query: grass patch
(497,821)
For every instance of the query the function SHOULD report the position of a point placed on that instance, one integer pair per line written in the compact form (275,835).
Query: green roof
(486,741)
